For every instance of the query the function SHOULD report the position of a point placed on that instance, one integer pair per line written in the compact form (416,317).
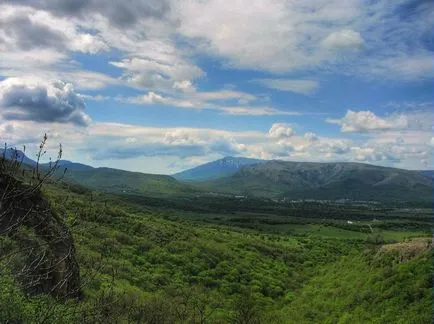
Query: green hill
(304,180)
(120,181)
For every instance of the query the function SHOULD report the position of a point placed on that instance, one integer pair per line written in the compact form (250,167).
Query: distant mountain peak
(237,161)
(15,154)
(223,167)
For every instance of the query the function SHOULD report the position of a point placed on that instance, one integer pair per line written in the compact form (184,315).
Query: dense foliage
(142,263)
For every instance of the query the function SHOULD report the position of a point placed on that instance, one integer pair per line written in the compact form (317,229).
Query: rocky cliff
(38,247)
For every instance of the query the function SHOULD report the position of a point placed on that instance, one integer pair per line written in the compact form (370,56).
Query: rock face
(44,260)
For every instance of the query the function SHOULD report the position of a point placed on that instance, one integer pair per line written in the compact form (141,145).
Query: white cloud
(51,64)
(154,72)
(256,111)
(184,86)
(277,40)
(401,66)
(298,86)
(311,137)
(328,146)
(288,36)
(177,141)
(211,100)
(152,98)
(367,121)
(41,101)
(38,43)
(281,130)
(284,144)
(404,149)
(343,39)
(26,28)
(17,61)
(224,95)
(129,146)
(372,154)
(157,44)
(159,40)
(84,79)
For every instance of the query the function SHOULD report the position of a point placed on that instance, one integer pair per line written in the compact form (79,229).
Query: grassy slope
(119,181)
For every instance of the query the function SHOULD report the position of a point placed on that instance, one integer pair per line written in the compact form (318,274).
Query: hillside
(428,173)
(120,181)
(141,262)
(70,165)
(216,169)
(355,279)
(36,246)
(303,180)
(149,265)
(108,179)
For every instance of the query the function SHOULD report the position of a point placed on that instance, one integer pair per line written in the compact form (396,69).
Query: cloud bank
(41,101)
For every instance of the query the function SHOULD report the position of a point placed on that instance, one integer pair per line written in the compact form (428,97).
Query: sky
(160,86)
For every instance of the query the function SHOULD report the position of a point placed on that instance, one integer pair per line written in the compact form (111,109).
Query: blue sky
(160,86)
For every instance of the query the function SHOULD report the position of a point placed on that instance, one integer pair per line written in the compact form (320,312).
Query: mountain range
(216,169)
(260,178)
(20,156)
(305,180)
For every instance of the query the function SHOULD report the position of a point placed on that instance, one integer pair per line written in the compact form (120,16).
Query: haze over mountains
(261,178)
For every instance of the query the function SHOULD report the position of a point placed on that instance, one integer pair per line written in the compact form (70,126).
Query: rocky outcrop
(406,250)
(44,256)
